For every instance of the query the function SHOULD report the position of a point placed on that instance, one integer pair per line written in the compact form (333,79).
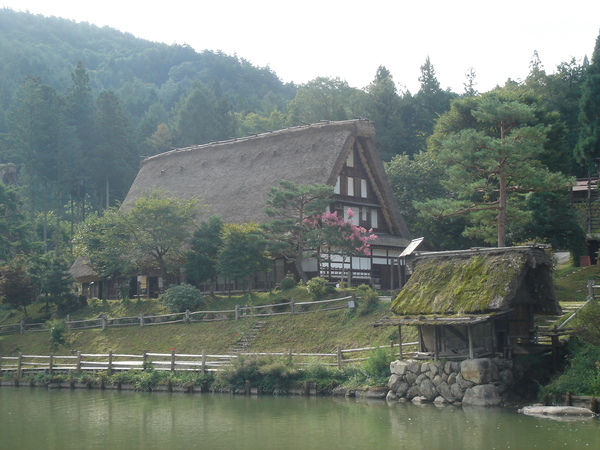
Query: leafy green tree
(430,101)
(327,99)
(115,157)
(42,145)
(103,241)
(158,227)
(195,118)
(243,253)
(16,286)
(290,205)
(14,227)
(183,297)
(419,179)
(202,258)
(57,282)
(486,168)
(588,146)
(384,107)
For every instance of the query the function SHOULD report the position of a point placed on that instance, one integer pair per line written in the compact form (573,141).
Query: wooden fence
(240,312)
(204,362)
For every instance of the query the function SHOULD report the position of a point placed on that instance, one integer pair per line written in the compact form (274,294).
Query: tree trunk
(502,212)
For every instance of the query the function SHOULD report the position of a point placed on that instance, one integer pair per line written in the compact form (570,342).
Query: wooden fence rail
(204,362)
(240,312)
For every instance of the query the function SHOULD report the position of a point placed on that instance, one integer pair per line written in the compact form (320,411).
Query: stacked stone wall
(478,382)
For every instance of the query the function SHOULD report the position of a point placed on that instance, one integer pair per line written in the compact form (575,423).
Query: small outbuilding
(474,303)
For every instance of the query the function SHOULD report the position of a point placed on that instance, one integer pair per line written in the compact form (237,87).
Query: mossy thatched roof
(478,281)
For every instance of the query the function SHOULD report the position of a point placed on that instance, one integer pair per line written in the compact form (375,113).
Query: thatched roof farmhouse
(232,178)
(479,301)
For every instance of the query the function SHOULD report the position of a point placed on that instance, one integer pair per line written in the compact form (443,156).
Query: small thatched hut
(475,302)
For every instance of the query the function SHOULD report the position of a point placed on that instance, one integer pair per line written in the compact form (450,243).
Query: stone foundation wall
(478,382)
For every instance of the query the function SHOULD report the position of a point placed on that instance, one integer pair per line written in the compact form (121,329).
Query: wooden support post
(237,312)
(247,387)
(172,360)
(568,399)
(0,365)
(20,365)
(290,357)
(78,362)
(594,405)
(50,364)
(470,333)
(141,319)
(203,361)
(187,316)
(110,361)
(339,357)
(22,327)
(144,359)
(104,322)
(400,342)
(436,343)
(292,304)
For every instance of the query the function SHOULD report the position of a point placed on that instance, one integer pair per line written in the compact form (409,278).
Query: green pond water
(38,418)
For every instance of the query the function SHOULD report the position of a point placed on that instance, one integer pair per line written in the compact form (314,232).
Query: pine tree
(587,151)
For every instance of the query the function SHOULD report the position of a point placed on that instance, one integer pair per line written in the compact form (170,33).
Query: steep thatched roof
(233,177)
(478,281)
(82,271)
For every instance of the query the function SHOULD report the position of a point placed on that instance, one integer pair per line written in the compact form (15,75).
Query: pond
(69,419)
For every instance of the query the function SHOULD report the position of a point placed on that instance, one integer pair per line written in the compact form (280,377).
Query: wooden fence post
(187,316)
(104,322)
(20,365)
(339,357)
(203,369)
(290,357)
(292,304)
(141,319)
(78,362)
(237,312)
(144,358)
(110,361)
(50,364)
(22,327)
(0,365)
(400,355)
(172,360)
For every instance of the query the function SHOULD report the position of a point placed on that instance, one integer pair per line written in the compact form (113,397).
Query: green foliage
(58,332)
(582,375)
(377,366)
(243,253)
(288,283)
(289,206)
(316,287)
(585,324)
(368,299)
(489,166)
(16,286)
(201,259)
(588,146)
(182,297)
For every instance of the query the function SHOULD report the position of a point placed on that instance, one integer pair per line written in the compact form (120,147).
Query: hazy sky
(350,39)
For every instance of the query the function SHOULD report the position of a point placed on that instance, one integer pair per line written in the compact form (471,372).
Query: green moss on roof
(454,285)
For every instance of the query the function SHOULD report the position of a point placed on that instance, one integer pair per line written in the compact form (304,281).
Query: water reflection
(39,418)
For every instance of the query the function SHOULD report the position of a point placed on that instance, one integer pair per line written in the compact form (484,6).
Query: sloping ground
(319,332)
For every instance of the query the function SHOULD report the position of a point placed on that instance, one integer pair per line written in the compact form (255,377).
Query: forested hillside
(81,105)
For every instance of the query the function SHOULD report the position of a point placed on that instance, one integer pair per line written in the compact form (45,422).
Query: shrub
(377,365)
(182,297)
(58,332)
(288,283)
(316,287)
(369,299)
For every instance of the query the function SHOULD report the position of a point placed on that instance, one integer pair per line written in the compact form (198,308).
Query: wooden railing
(204,362)
(239,312)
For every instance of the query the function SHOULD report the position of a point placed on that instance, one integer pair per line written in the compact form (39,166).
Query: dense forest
(81,105)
